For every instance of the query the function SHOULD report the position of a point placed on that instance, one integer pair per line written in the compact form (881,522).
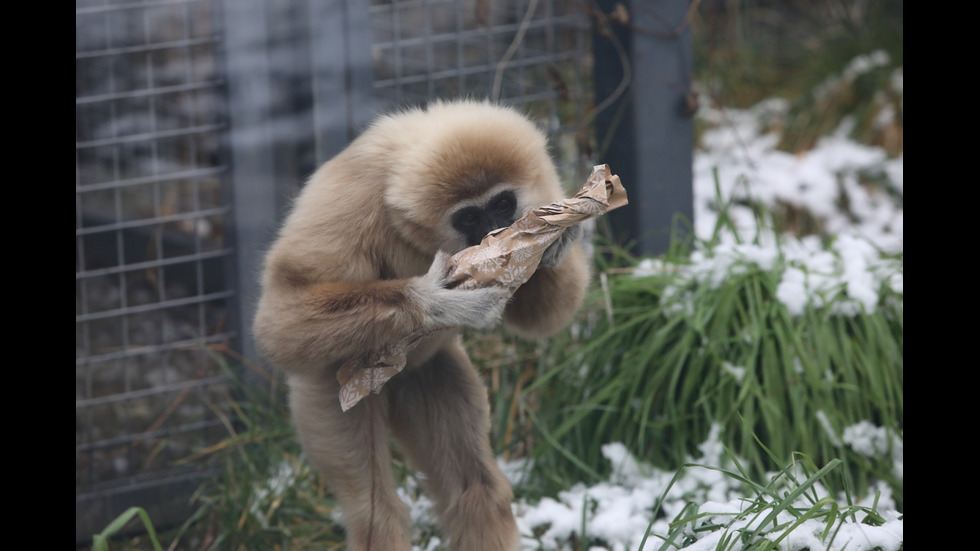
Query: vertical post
(343,75)
(647,135)
(257,195)
(300,87)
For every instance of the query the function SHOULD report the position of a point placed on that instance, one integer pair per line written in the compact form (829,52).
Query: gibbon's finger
(438,270)
(497,298)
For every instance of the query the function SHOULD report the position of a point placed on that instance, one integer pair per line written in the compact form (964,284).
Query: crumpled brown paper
(507,257)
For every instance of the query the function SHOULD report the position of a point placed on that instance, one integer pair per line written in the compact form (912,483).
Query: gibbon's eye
(503,204)
(466,219)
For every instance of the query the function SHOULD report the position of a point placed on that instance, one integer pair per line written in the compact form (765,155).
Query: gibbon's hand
(477,308)
(556,252)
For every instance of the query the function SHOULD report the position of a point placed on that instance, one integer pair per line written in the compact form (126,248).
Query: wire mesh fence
(154,224)
(533,54)
(150,216)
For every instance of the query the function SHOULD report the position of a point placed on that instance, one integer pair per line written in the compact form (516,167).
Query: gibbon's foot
(481,520)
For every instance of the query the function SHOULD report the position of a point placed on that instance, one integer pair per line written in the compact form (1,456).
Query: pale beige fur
(355,265)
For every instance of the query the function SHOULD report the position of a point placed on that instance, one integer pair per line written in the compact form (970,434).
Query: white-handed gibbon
(361,261)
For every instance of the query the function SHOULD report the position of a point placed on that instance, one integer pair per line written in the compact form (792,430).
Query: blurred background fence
(195,122)
(152,216)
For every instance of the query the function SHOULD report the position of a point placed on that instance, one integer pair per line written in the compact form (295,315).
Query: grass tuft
(707,339)
(100,541)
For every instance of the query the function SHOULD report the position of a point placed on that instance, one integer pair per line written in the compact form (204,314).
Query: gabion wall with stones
(154,306)
(150,219)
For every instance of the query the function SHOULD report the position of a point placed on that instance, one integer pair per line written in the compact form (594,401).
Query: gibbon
(361,261)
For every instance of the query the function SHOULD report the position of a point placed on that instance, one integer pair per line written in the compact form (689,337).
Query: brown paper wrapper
(367,374)
(507,257)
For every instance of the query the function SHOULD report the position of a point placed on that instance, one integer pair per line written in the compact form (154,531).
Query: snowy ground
(618,511)
(747,165)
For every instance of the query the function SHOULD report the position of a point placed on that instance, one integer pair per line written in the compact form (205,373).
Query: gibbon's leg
(440,416)
(351,451)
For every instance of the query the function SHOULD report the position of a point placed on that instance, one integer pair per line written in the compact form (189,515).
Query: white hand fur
(477,308)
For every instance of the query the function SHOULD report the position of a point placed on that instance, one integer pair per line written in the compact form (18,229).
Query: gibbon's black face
(475,221)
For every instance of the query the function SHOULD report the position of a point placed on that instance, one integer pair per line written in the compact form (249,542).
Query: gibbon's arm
(549,300)
(304,326)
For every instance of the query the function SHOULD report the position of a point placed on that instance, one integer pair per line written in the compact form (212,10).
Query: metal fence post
(343,77)
(299,88)
(646,135)
(257,195)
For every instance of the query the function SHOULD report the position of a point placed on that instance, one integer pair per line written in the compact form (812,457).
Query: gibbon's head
(468,168)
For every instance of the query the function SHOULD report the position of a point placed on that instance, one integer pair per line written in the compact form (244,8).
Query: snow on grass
(875,442)
(850,274)
(738,165)
(615,515)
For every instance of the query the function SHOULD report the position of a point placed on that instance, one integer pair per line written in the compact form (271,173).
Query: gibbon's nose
(477,234)
(486,225)
(475,223)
